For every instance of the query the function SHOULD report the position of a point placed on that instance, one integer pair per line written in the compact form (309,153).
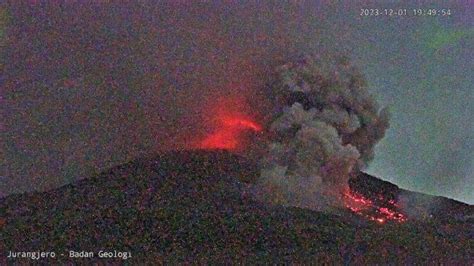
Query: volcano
(194,207)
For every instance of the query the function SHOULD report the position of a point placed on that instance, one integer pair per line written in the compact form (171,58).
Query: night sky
(88,86)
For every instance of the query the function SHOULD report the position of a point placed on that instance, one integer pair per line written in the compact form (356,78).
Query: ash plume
(325,127)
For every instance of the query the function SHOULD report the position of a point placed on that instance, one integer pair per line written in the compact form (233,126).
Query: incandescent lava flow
(365,207)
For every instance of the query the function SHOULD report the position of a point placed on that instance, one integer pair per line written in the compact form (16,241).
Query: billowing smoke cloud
(325,127)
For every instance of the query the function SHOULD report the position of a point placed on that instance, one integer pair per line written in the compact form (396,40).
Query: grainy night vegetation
(192,207)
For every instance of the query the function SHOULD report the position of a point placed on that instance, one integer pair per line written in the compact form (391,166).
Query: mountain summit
(195,206)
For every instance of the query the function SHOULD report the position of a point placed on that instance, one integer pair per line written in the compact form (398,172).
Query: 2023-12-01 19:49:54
(375,12)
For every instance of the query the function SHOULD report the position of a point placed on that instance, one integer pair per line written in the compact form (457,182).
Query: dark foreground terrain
(191,207)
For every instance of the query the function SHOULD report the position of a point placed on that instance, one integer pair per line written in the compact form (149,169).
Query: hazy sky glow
(88,86)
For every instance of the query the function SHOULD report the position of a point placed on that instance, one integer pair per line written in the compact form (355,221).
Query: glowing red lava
(366,208)
(241,123)
(228,133)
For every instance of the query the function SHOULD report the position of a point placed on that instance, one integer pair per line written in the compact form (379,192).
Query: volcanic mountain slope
(192,207)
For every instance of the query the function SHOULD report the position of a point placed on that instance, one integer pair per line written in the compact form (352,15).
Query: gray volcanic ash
(325,127)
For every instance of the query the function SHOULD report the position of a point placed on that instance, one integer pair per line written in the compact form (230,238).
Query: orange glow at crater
(228,133)
(241,123)
(229,122)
